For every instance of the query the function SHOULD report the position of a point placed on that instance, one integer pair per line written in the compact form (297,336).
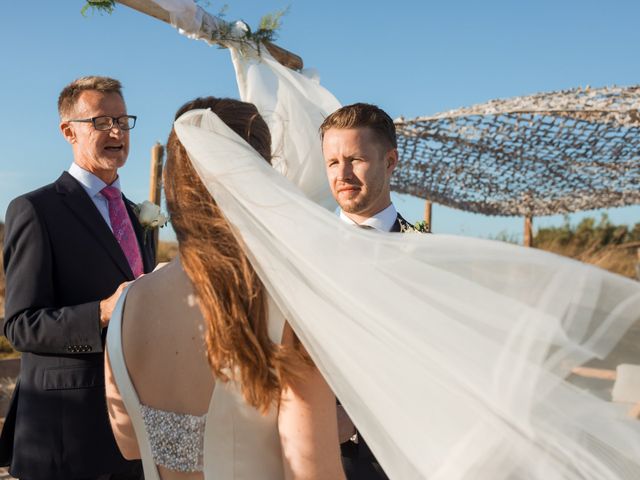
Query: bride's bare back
(163,341)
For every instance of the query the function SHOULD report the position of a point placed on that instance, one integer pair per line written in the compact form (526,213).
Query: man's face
(100,152)
(359,167)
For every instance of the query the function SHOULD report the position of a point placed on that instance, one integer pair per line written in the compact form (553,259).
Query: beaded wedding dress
(232,441)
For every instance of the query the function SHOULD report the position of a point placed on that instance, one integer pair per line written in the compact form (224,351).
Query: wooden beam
(528,231)
(599,373)
(428,214)
(284,57)
(155,182)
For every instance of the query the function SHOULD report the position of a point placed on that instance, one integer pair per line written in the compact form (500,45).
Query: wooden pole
(155,182)
(285,57)
(528,231)
(427,215)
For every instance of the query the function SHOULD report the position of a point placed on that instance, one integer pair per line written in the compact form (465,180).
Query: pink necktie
(123,230)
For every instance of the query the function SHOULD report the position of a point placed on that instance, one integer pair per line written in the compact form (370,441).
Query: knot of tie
(111,193)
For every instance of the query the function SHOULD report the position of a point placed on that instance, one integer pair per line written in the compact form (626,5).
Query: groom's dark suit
(61,259)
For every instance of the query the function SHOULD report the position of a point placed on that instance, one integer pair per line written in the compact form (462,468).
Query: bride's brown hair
(231,297)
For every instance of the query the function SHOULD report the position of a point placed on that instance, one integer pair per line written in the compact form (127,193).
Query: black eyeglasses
(105,122)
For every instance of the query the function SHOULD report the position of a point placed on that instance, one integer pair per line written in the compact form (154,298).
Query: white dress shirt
(92,185)
(382,220)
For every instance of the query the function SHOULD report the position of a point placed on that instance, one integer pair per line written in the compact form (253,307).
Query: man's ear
(67,132)
(392,159)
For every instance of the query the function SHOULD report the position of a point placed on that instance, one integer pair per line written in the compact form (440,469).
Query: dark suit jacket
(401,225)
(60,260)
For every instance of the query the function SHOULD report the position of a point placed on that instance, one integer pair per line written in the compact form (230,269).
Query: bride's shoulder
(155,291)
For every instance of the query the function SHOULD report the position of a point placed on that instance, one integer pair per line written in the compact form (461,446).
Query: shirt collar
(382,220)
(89,181)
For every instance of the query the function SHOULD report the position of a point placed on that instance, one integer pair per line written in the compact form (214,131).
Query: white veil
(450,354)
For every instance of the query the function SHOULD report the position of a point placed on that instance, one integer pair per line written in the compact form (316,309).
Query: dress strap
(275,321)
(126,388)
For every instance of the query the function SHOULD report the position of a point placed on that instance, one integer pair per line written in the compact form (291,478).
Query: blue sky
(410,57)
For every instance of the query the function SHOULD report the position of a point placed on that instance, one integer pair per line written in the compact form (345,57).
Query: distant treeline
(601,243)
(588,234)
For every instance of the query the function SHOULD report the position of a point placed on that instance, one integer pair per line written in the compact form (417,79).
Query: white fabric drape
(293,105)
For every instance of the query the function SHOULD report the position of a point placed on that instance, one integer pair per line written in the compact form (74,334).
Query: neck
(362,216)
(107,176)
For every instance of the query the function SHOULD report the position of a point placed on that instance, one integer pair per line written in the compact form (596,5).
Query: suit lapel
(77,200)
(401,225)
(145,240)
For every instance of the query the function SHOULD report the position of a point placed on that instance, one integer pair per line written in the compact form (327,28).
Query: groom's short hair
(69,95)
(361,115)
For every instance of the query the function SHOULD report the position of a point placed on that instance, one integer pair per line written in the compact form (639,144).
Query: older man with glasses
(70,248)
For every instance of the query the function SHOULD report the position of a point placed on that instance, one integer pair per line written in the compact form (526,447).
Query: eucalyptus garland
(238,32)
(102,6)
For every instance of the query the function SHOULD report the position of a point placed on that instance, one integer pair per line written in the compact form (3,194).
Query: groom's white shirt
(93,185)
(382,220)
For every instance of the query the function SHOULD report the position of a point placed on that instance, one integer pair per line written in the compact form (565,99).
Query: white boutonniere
(150,216)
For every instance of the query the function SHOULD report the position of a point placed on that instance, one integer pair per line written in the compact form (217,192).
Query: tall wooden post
(155,182)
(528,231)
(427,214)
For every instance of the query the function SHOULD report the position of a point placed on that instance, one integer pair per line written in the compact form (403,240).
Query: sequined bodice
(176,439)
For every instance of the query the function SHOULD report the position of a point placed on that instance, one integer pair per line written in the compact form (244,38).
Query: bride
(452,355)
(266,412)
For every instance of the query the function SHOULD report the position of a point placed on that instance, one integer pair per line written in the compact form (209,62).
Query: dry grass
(615,259)
(167,251)
(599,243)
(2,284)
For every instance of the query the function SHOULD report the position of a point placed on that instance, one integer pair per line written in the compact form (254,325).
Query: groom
(69,249)
(360,151)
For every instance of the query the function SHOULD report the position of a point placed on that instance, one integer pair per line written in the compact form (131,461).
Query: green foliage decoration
(101,6)
(238,32)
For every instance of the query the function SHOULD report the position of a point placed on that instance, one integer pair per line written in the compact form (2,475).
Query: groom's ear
(67,132)
(391,159)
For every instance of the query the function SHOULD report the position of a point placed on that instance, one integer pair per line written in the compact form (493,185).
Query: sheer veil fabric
(450,354)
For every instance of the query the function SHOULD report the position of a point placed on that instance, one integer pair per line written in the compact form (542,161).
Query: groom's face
(359,168)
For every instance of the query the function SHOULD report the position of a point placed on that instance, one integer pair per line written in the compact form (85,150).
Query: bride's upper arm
(307,422)
(118,417)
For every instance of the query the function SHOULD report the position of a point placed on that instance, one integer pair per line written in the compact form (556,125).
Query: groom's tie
(123,230)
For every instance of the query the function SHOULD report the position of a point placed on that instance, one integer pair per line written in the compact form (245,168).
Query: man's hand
(108,304)
(346,428)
